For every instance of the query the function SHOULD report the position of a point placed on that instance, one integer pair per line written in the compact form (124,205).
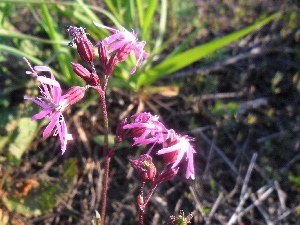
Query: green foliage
(99,139)
(17,133)
(295,180)
(148,17)
(190,56)
(225,110)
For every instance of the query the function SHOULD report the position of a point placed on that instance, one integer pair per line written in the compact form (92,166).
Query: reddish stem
(141,204)
(106,154)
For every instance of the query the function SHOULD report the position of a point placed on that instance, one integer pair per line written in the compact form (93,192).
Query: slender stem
(105,188)
(105,121)
(149,196)
(105,153)
(141,204)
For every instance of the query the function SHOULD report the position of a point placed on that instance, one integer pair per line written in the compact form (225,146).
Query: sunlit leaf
(192,55)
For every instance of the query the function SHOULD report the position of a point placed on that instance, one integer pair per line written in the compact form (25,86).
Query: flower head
(122,42)
(175,151)
(53,103)
(146,129)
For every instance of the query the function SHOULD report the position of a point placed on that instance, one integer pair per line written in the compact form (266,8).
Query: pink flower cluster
(121,43)
(54,103)
(147,129)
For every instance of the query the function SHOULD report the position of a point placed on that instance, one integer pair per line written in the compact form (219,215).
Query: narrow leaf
(190,56)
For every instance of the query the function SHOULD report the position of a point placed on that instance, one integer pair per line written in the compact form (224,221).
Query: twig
(198,203)
(285,214)
(257,201)
(218,150)
(262,212)
(244,195)
(214,209)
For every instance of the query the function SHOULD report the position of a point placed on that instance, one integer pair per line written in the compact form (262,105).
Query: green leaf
(190,56)
(147,18)
(14,205)
(100,141)
(25,133)
(64,58)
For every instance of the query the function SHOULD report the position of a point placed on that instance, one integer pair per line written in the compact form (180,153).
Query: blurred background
(225,72)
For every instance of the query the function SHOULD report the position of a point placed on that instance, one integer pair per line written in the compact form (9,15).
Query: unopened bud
(108,64)
(85,49)
(84,45)
(81,71)
(165,176)
(120,131)
(103,54)
(111,65)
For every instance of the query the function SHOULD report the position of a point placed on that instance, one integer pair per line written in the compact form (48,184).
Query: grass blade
(190,56)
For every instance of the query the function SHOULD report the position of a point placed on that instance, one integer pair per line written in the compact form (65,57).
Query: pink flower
(123,42)
(178,147)
(54,103)
(146,129)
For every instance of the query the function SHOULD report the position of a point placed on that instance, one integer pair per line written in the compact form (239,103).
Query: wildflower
(178,147)
(144,167)
(84,45)
(179,219)
(54,103)
(147,129)
(122,42)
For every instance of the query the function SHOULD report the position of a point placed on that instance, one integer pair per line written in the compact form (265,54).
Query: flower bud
(81,71)
(85,49)
(120,130)
(111,65)
(108,64)
(165,176)
(144,167)
(103,54)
